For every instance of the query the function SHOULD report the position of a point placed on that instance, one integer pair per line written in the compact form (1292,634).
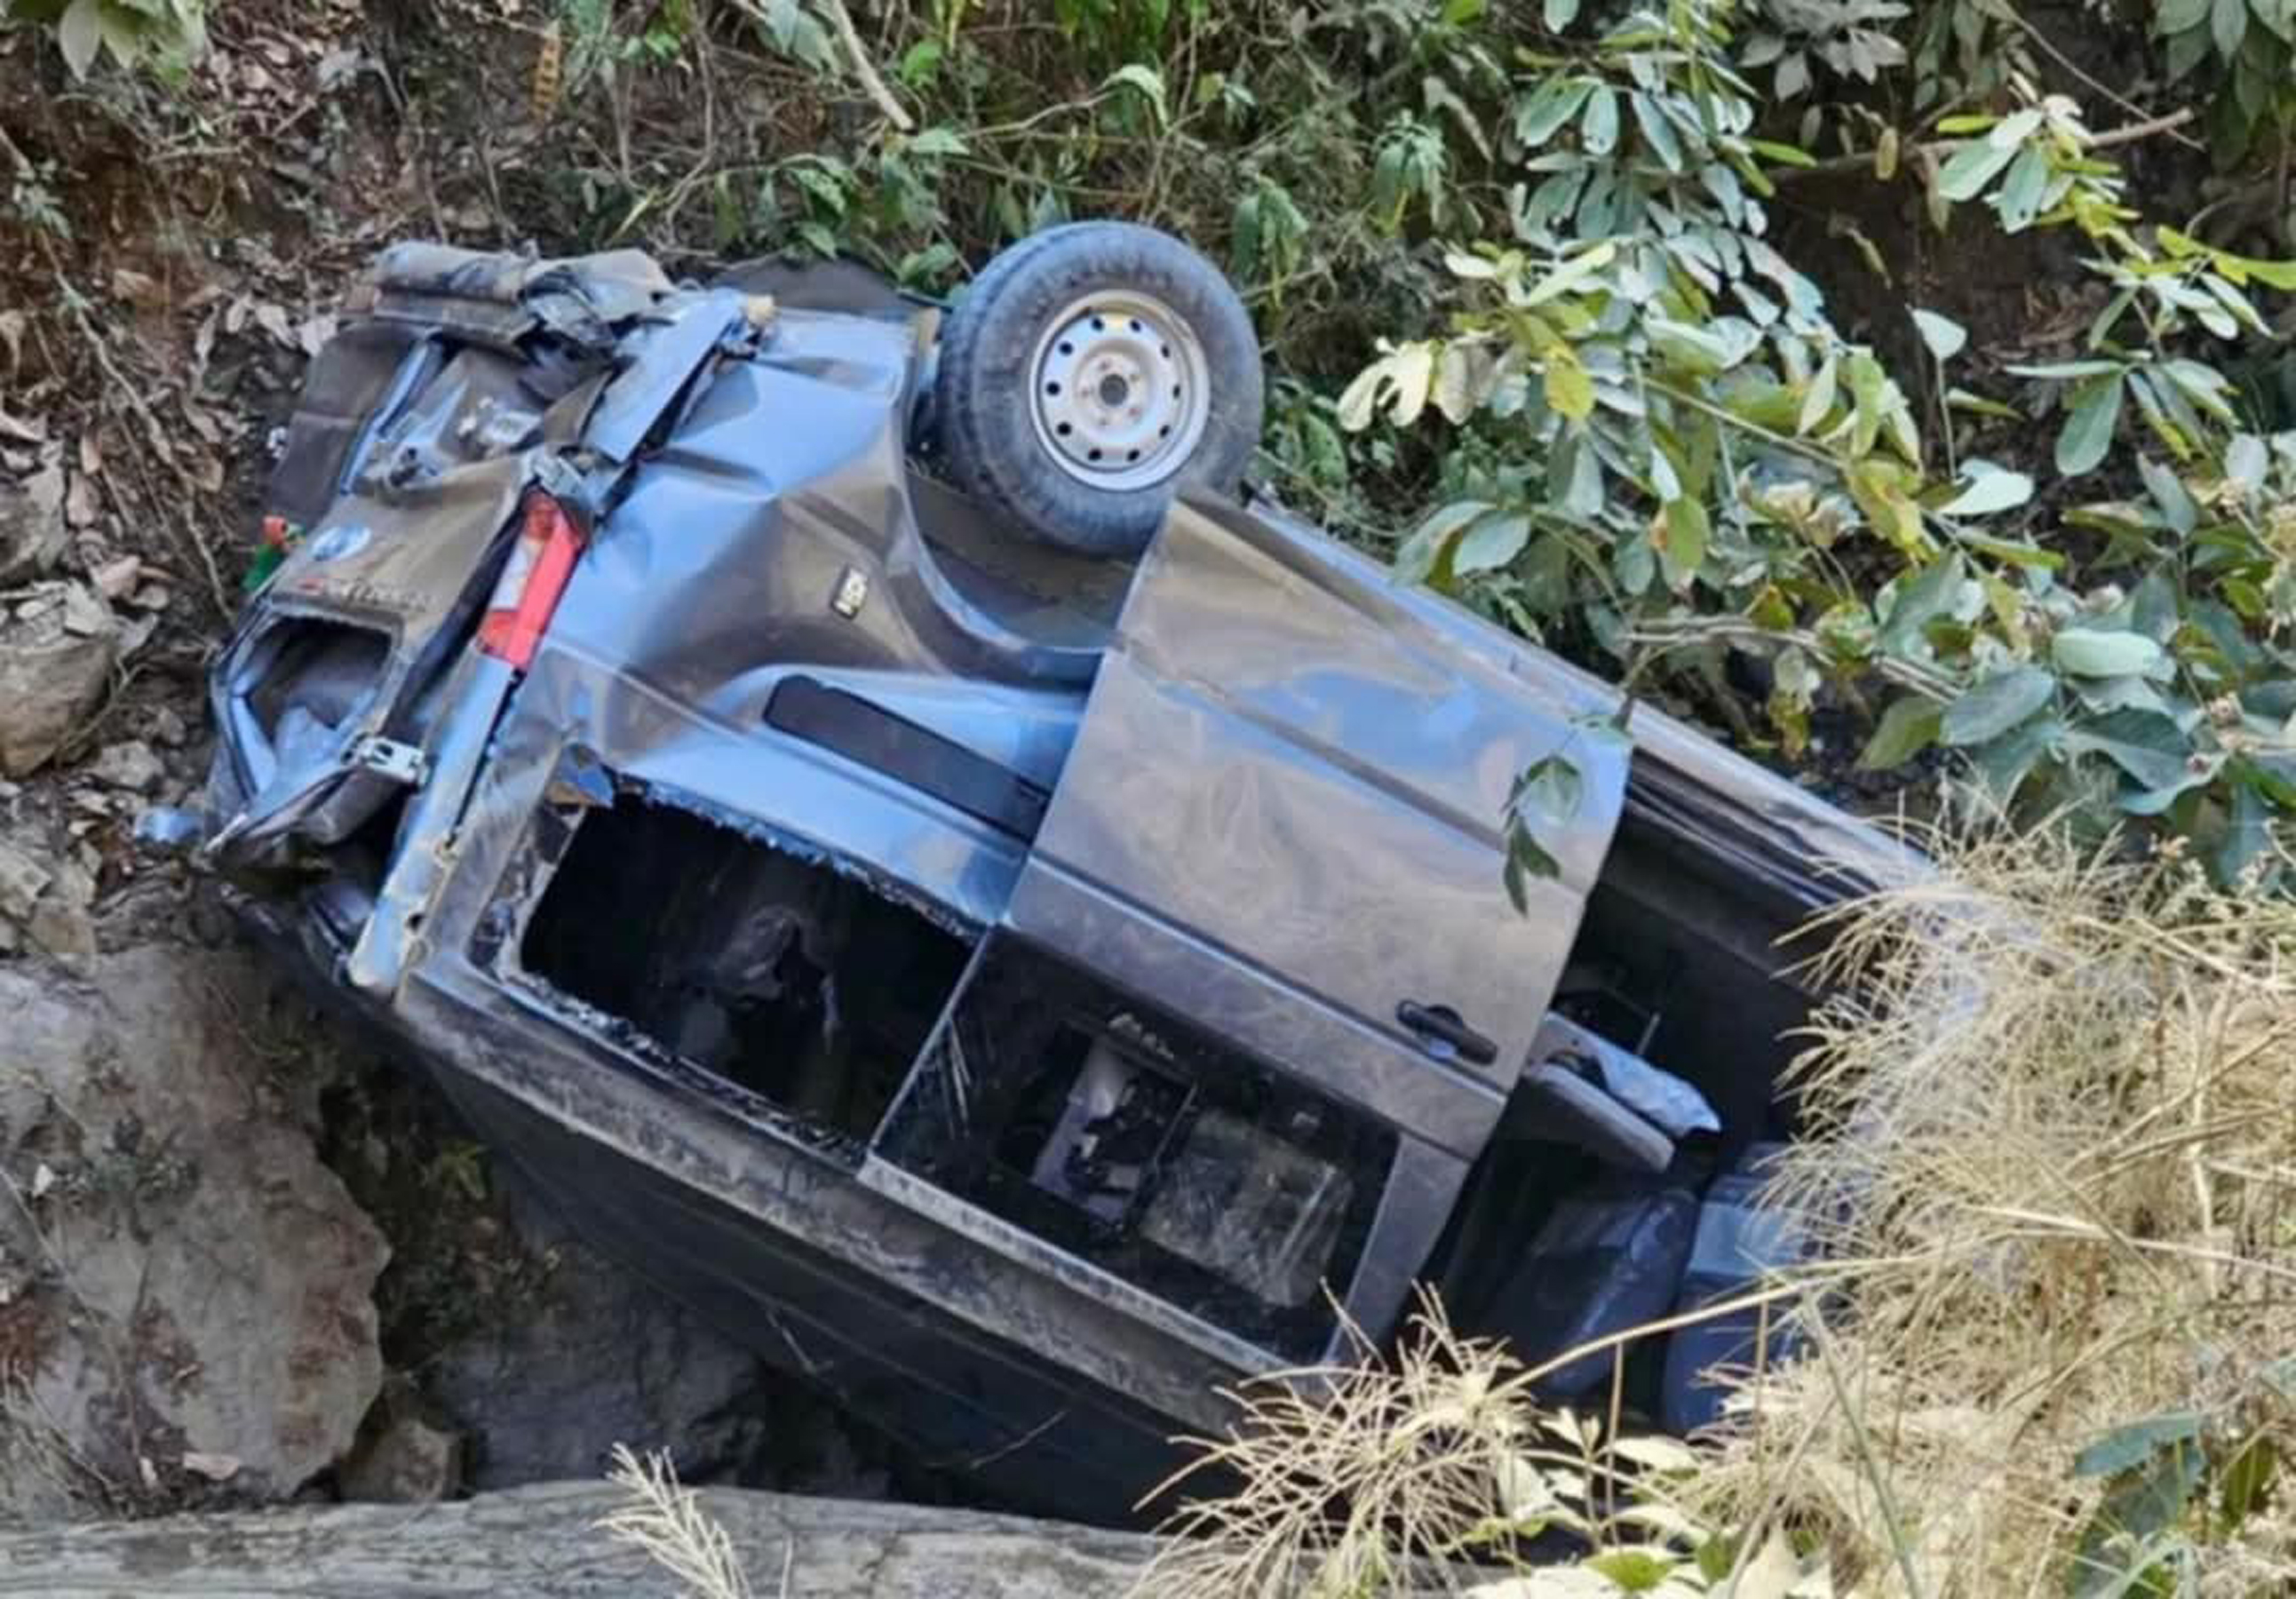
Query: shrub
(168,35)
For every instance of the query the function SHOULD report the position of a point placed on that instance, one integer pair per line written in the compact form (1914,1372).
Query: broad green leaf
(1569,390)
(2003,766)
(2198,771)
(1878,486)
(2248,1476)
(1573,272)
(2155,1498)
(1145,80)
(1870,386)
(1461,380)
(939,142)
(2246,461)
(1990,490)
(1657,133)
(2014,129)
(1633,1570)
(1493,542)
(1995,705)
(2153,607)
(1556,101)
(1971,168)
(1909,727)
(1944,336)
(2228,26)
(1358,399)
(2019,199)
(2016,551)
(2066,369)
(80,33)
(1977,404)
(1561,14)
(1527,862)
(2170,494)
(2089,423)
(1819,401)
(1921,599)
(1574,476)
(2136,1443)
(1423,552)
(2092,653)
(2248,830)
(1412,374)
(1598,129)
(1687,534)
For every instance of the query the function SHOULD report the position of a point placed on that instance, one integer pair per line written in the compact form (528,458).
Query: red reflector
(531,583)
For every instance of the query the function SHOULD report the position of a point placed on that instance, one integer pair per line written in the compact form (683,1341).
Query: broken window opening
(777,974)
(1146,1146)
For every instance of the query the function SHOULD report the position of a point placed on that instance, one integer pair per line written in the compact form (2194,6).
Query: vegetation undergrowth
(2048,1173)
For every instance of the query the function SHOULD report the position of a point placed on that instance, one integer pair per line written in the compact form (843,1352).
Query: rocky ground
(240,1260)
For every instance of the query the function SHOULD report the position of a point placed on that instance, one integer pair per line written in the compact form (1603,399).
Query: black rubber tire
(982,398)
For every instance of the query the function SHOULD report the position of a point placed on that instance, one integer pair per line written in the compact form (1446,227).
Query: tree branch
(1863,161)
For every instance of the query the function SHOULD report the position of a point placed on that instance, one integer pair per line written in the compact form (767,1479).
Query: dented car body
(1025,993)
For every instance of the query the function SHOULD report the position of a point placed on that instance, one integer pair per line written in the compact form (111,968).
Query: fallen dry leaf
(118,578)
(13,325)
(90,456)
(23,430)
(136,288)
(203,341)
(80,504)
(313,334)
(273,320)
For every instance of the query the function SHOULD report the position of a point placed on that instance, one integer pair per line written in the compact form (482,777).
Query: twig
(2106,89)
(156,436)
(865,69)
(1937,150)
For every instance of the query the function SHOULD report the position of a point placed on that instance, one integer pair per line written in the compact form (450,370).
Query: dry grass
(666,1522)
(2053,1166)
(1432,1471)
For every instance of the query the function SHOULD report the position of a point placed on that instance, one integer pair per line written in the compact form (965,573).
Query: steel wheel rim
(1120,390)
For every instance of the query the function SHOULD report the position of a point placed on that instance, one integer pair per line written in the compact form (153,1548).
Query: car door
(1287,797)
(1283,816)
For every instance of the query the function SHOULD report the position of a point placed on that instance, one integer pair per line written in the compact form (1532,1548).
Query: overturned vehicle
(876,818)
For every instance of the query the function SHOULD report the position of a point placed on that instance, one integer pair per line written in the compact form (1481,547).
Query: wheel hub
(1118,391)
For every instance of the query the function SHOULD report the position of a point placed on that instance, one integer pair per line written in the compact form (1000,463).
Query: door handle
(1444,1024)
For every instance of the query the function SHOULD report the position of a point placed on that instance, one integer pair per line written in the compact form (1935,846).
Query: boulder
(129,764)
(45,899)
(58,642)
(595,1357)
(190,1297)
(32,531)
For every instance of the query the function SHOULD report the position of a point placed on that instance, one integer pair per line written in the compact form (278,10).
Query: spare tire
(1090,372)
